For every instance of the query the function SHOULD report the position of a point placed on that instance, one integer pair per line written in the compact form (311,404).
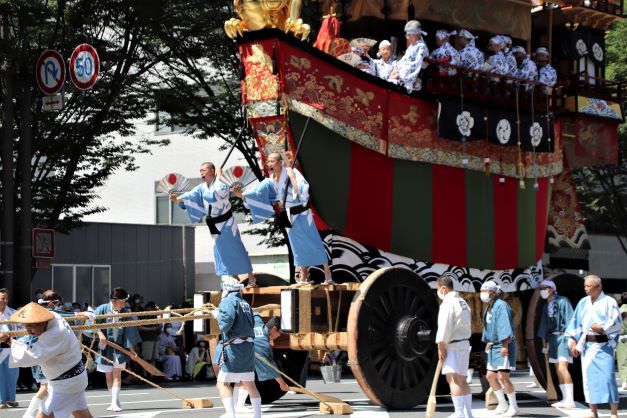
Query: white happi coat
(511,61)
(527,70)
(56,350)
(447,50)
(384,69)
(547,75)
(410,65)
(471,57)
(454,322)
(497,64)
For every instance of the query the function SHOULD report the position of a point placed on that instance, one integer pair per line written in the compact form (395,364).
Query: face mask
(485,297)
(441,295)
(544,293)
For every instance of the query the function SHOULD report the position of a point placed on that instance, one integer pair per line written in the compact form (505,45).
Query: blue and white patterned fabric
(445,51)
(303,236)
(527,70)
(511,61)
(213,200)
(8,375)
(497,64)
(597,363)
(366,64)
(471,57)
(384,69)
(410,65)
(547,75)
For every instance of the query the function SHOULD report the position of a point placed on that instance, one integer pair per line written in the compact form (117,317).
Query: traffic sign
(84,66)
(50,71)
(52,102)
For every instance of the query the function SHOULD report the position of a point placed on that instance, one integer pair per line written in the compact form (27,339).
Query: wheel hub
(413,337)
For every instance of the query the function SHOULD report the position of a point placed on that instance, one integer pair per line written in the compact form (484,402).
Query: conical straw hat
(32,314)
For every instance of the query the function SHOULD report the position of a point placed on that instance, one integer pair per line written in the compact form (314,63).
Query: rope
(329,313)
(314,394)
(143,379)
(337,315)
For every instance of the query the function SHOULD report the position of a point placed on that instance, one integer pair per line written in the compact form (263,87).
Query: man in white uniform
(454,329)
(58,353)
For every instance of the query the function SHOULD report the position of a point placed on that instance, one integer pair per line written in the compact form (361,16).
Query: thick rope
(143,379)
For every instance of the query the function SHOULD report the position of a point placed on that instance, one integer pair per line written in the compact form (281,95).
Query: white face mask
(441,295)
(485,297)
(544,293)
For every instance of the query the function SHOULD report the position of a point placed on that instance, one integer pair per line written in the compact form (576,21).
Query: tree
(603,190)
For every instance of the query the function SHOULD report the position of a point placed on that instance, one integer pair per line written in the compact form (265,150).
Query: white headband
(548,283)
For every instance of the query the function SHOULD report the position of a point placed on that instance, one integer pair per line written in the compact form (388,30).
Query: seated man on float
(410,65)
(445,51)
(386,63)
(546,73)
(526,68)
(469,55)
(496,63)
(509,54)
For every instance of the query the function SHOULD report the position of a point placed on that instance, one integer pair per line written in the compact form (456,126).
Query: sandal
(252,286)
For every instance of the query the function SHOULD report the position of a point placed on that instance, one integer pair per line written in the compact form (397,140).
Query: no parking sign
(84,66)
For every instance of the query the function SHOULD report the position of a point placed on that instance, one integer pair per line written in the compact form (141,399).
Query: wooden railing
(614,7)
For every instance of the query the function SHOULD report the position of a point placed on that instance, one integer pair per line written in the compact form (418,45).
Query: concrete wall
(152,260)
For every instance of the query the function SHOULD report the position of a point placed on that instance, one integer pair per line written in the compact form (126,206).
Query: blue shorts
(558,349)
(496,362)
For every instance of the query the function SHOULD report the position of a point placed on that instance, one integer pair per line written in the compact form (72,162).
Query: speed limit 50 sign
(84,66)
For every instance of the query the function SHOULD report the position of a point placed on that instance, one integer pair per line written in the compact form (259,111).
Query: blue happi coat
(555,318)
(125,337)
(498,325)
(263,348)
(213,200)
(547,75)
(236,322)
(303,236)
(597,363)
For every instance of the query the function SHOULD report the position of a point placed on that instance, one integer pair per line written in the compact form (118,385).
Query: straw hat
(32,313)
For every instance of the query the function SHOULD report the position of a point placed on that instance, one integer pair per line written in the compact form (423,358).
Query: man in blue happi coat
(125,337)
(555,317)
(593,333)
(265,334)
(287,188)
(236,354)
(498,334)
(211,200)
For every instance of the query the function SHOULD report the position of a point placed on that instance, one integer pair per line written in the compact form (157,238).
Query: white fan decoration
(173,183)
(238,175)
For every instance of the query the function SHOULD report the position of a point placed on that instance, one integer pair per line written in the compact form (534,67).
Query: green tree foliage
(603,190)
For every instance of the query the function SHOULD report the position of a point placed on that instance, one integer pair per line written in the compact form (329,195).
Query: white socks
(256,402)
(469,376)
(33,407)
(502,406)
(568,393)
(513,405)
(242,394)
(228,407)
(458,404)
(115,399)
(468,405)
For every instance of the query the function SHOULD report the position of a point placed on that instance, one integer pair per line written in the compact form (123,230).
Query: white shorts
(108,368)
(63,404)
(560,359)
(456,361)
(228,377)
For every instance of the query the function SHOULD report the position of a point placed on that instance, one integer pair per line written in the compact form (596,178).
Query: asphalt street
(145,402)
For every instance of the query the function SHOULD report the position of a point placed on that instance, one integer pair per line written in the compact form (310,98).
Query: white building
(131,198)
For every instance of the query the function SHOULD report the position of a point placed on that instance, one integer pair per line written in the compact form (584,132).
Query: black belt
(591,338)
(74,371)
(458,341)
(296,210)
(211,222)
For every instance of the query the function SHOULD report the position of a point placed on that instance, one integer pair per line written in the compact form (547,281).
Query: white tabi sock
(256,402)
(512,400)
(502,406)
(569,395)
(468,405)
(469,376)
(33,407)
(228,407)
(242,394)
(115,396)
(458,404)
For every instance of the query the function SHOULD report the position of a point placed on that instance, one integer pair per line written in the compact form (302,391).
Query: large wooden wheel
(391,332)
(568,285)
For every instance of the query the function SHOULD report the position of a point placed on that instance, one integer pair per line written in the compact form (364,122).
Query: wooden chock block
(197,403)
(335,408)
(490,400)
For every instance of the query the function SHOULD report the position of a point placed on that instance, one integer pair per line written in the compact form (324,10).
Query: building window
(168,212)
(161,124)
(82,283)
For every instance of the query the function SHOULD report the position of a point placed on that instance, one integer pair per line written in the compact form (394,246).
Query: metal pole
(8,192)
(24,260)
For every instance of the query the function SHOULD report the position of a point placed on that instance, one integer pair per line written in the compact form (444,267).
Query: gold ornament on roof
(263,14)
